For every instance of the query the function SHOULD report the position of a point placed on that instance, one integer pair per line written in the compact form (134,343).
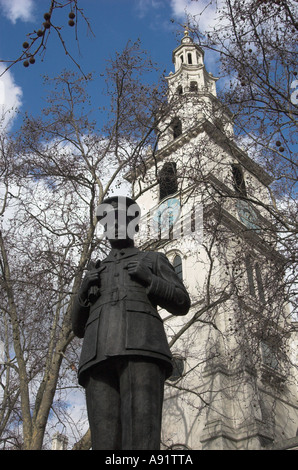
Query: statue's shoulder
(155,255)
(150,253)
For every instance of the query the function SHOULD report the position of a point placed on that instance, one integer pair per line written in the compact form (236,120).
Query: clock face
(166,215)
(247,215)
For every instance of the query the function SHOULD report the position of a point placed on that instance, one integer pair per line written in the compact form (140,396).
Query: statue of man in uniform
(125,356)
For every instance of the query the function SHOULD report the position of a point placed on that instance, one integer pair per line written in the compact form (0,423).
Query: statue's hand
(91,279)
(140,272)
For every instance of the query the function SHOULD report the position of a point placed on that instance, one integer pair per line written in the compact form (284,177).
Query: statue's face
(116,226)
(119,221)
(120,227)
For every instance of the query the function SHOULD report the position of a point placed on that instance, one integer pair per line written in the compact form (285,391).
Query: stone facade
(233,388)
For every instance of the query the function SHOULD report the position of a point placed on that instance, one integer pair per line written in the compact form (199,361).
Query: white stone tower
(59,441)
(200,198)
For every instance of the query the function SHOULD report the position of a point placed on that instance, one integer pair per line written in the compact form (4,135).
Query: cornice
(219,138)
(250,236)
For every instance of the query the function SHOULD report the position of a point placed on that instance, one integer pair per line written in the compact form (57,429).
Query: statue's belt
(121,293)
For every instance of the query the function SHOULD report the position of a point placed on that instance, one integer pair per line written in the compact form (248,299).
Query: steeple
(190,73)
(191,95)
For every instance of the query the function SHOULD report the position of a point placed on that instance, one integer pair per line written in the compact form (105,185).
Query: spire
(192,93)
(186,39)
(190,72)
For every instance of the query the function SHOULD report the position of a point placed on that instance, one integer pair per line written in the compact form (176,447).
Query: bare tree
(53,177)
(37,41)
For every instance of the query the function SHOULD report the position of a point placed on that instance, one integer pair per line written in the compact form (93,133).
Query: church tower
(202,199)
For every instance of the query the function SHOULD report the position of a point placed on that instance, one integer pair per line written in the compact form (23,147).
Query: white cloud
(10,98)
(17,9)
(202,14)
(181,7)
(142,6)
(204,11)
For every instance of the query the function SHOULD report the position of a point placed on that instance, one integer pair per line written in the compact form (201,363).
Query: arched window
(269,354)
(189,58)
(238,178)
(179,90)
(168,184)
(260,283)
(193,86)
(177,128)
(177,263)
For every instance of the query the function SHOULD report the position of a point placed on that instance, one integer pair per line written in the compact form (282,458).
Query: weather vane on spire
(186,38)
(186,29)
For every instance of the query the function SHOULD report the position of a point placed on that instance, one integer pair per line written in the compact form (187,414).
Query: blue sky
(113,22)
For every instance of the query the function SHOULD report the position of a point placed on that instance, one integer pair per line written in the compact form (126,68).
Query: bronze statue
(125,357)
